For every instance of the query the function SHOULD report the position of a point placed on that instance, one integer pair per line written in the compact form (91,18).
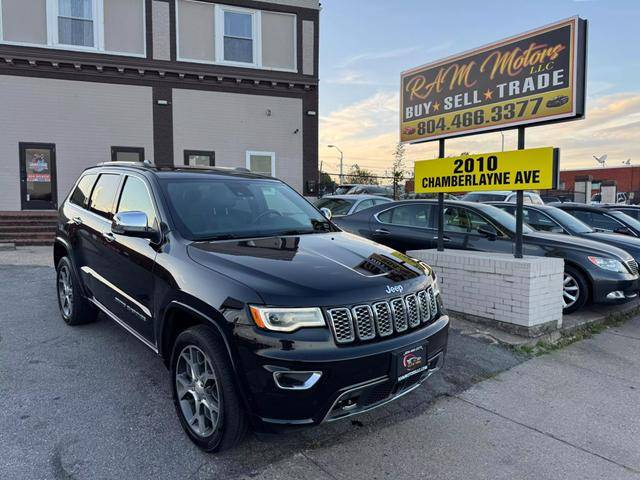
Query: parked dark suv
(263,310)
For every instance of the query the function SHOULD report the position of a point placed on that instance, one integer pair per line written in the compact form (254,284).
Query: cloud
(379,55)
(367,132)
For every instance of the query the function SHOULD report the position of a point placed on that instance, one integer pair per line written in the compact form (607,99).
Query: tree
(361,175)
(398,168)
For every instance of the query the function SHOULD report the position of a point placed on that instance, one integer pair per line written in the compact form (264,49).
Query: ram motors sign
(533,78)
(531,169)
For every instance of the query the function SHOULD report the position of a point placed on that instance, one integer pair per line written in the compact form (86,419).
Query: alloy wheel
(65,291)
(570,291)
(198,391)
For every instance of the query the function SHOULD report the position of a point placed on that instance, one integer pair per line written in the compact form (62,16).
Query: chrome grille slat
(633,266)
(425,308)
(363,321)
(384,321)
(413,312)
(399,314)
(433,304)
(342,325)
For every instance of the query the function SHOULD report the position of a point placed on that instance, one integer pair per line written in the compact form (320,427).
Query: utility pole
(341,162)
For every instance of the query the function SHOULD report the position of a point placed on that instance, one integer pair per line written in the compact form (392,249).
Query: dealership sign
(531,169)
(536,77)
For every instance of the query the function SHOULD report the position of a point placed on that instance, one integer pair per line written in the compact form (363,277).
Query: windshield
(569,222)
(503,218)
(623,217)
(484,197)
(225,208)
(338,206)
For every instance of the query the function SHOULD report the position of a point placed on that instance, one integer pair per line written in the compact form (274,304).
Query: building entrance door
(38,176)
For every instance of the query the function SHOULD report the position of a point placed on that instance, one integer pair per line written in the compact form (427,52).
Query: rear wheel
(204,391)
(74,307)
(575,290)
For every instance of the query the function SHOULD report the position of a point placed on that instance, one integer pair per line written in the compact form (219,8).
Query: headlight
(287,319)
(608,264)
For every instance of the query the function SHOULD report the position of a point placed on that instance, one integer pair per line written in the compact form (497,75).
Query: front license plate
(411,361)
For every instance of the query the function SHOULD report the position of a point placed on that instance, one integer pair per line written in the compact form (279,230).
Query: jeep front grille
(382,319)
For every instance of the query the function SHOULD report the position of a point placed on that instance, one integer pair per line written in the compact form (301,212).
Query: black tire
(232,421)
(582,292)
(81,310)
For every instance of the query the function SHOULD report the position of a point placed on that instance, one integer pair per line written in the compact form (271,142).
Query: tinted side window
(135,198)
(539,221)
(408,215)
(104,193)
(601,220)
(364,204)
(461,220)
(82,192)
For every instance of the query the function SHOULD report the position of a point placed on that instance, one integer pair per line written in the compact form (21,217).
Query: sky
(365,44)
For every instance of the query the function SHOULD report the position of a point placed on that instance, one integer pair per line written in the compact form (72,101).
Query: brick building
(627,178)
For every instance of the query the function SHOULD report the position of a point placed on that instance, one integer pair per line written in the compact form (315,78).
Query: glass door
(38,176)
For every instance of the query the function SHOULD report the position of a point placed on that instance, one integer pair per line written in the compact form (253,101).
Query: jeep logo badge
(396,289)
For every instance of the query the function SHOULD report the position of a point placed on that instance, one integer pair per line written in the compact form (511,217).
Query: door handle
(108,236)
(382,231)
(77,220)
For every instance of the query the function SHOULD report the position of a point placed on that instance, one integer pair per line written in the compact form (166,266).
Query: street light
(341,158)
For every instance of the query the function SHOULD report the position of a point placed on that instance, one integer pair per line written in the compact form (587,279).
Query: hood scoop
(378,265)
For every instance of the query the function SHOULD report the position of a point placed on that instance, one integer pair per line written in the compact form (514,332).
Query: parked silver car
(341,205)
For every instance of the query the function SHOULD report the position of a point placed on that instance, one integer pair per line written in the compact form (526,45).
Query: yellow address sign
(531,169)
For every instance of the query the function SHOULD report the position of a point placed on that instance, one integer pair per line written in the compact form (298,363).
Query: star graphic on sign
(436,107)
(488,95)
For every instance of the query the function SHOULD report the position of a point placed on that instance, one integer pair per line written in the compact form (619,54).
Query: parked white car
(502,196)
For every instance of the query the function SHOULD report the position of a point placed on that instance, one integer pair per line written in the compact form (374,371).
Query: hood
(319,269)
(626,242)
(589,247)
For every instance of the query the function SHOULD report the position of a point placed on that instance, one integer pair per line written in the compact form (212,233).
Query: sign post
(534,78)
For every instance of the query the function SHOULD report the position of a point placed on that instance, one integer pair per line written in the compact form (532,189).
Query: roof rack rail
(143,164)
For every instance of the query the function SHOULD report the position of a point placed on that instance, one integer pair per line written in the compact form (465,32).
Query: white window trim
(251,153)
(256,25)
(98,27)
(98,32)
(218,16)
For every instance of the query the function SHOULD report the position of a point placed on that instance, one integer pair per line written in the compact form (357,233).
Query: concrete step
(26,242)
(48,228)
(11,236)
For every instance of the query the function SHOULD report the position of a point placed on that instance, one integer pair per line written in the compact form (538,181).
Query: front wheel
(204,391)
(575,290)
(74,307)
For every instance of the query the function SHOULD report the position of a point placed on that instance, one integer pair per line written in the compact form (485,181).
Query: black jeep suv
(263,310)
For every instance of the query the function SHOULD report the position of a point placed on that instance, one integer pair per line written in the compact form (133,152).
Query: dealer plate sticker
(412,362)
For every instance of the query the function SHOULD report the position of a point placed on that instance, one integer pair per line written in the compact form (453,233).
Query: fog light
(617,295)
(289,380)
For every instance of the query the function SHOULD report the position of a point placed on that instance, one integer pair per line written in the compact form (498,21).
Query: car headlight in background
(286,319)
(608,264)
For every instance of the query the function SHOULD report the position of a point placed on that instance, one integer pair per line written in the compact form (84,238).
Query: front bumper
(602,290)
(355,378)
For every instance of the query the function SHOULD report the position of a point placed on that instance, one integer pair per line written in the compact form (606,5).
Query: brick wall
(520,295)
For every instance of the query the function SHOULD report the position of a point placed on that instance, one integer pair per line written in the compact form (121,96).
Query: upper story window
(228,35)
(238,36)
(76,23)
(107,26)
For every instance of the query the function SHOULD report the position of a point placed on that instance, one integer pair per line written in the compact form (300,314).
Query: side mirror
(488,231)
(556,230)
(132,224)
(326,212)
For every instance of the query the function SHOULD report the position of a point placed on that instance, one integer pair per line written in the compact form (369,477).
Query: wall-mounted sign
(536,77)
(531,169)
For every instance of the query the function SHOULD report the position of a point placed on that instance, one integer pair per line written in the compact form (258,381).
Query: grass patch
(545,346)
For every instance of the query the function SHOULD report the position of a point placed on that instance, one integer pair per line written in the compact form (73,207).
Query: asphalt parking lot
(92,402)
